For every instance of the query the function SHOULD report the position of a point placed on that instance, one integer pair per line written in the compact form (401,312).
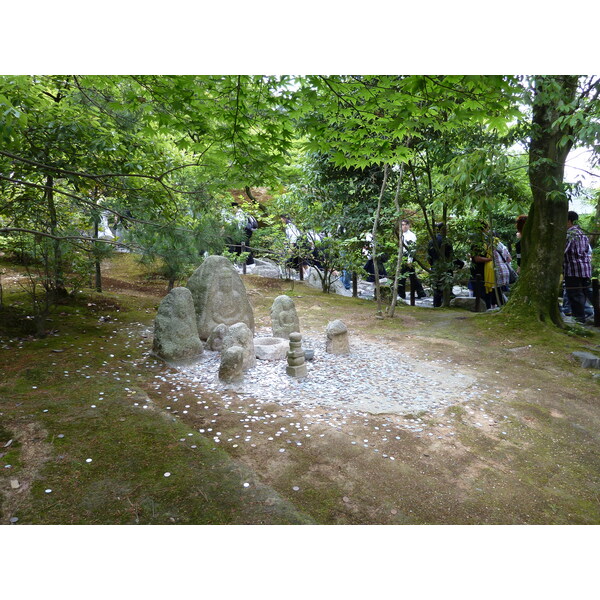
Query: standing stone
(239,334)
(284,317)
(337,338)
(219,296)
(230,369)
(215,339)
(175,333)
(296,366)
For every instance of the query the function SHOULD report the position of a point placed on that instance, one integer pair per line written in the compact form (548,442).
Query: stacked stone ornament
(296,366)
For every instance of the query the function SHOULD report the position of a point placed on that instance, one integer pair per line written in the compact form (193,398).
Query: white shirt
(409,239)
(292,233)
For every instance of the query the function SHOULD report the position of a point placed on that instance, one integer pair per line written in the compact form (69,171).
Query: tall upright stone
(219,296)
(284,318)
(337,338)
(239,334)
(175,333)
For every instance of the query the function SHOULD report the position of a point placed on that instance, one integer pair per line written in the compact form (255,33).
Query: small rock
(14,484)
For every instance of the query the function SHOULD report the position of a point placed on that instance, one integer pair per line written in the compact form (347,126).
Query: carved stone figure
(219,296)
(284,317)
(215,339)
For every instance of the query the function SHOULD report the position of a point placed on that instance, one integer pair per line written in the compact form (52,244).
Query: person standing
(370,268)
(577,267)
(249,224)
(489,267)
(409,243)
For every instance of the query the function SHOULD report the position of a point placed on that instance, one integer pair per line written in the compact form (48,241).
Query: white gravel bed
(372,379)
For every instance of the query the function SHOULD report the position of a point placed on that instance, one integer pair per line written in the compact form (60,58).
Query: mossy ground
(525,451)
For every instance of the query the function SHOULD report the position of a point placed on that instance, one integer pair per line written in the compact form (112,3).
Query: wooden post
(596,301)
(413,285)
(477,292)
(354,285)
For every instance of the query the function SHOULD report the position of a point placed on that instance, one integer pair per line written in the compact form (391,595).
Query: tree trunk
(374,234)
(97,263)
(595,236)
(544,235)
(57,267)
(394,301)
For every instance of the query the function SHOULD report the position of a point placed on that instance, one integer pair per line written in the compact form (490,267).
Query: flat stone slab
(271,348)
(468,303)
(587,359)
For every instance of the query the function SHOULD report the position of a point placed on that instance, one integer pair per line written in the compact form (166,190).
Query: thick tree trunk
(544,235)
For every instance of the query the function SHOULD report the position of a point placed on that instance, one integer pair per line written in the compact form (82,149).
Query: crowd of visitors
(491,272)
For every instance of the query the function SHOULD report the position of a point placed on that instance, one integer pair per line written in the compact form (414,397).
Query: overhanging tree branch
(94,205)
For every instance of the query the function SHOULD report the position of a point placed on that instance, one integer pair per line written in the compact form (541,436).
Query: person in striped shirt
(577,267)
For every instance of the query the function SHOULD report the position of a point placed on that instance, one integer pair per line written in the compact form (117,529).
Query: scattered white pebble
(167,474)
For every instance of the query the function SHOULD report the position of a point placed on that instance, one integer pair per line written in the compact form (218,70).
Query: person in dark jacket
(407,269)
(370,268)
(440,253)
